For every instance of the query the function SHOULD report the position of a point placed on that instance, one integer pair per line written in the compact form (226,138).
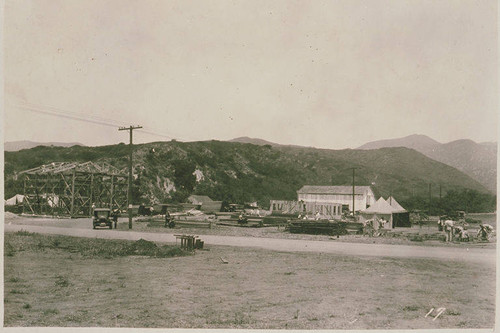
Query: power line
(60,115)
(76,114)
(56,112)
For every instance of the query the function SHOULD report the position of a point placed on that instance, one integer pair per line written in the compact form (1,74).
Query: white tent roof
(18,198)
(394,204)
(379,207)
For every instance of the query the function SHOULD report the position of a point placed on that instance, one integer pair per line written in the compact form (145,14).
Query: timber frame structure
(71,188)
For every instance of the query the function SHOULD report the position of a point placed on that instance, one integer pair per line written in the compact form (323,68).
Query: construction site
(73,189)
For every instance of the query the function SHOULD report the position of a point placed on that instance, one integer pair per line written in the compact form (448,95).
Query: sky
(329,74)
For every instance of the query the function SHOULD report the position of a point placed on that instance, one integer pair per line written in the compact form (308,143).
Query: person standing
(115,217)
(167,218)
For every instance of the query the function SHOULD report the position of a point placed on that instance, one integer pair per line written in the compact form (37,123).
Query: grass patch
(14,279)
(26,306)
(9,249)
(24,233)
(87,247)
(49,312)
(411,308)
(453,313)
(62,281)
(17,292)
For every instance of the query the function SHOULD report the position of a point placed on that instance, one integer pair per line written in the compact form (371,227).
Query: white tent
(381,209)
(15,200)
(394,204)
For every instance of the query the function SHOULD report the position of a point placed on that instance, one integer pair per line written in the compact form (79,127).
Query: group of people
(453,231)
(317,216)
(374,227)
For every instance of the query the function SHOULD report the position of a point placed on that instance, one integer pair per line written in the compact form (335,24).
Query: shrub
(62,281)
(9,249)
(89,248)
(24,233)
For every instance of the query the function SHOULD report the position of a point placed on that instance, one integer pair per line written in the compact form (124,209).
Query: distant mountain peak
(414,141)
(474,159)
(25,144)
(255,141)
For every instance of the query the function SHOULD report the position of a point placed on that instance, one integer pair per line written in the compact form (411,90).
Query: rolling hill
(19,145)
(242,172)
(260,142)
(478,160)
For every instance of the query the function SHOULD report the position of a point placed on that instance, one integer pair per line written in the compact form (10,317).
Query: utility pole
(430,198)
(353,192)
(129,194)
(440,202)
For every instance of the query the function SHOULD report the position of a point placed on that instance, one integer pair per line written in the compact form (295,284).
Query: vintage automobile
(102,218)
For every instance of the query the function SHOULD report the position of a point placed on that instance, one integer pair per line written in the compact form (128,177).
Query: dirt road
(485,256)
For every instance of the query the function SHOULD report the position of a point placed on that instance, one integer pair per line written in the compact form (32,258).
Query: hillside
(477,160)
(260,142)
(19,145)
(418,142)
(240,172)
(254,141)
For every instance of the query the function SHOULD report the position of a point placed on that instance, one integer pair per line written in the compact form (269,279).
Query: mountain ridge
(242,172)
(478,160)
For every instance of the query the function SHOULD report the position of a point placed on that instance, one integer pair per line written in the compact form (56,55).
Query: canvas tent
(394,204)
(379,210)
(390,210)
(400,216)
(15,200)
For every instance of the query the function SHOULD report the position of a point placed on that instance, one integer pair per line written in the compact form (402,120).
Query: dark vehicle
(102,218)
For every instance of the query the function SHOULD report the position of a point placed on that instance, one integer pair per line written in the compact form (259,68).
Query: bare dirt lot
(255,289)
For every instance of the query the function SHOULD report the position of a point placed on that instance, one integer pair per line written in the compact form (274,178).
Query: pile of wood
(320,227)
(275,220)
(231,219)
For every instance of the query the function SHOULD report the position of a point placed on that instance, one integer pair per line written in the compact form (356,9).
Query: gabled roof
(334,189)
(394,204)
(199,198)
(379,207)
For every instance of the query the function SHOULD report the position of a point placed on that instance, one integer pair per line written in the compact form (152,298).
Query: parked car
(102,218)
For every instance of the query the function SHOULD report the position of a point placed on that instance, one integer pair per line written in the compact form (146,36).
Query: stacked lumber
(275,220)
(320,227)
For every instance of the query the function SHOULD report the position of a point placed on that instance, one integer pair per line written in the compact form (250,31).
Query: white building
(326,210)
(364,196)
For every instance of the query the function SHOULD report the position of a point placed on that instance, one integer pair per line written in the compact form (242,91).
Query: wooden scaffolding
(71,189)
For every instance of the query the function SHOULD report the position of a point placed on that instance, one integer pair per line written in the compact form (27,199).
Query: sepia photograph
(249,164)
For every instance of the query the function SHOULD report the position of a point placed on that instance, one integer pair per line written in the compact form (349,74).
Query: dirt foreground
(256,289)
(317,282)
